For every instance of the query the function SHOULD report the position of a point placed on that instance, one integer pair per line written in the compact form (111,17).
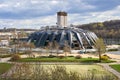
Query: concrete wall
(62,19)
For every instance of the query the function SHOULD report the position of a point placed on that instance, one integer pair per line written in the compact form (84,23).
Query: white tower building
(62,19)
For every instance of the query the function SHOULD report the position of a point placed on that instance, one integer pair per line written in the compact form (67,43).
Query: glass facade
(76,38)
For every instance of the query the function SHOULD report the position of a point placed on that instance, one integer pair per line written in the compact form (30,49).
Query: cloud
(3,5)
(26,9)
(29,23)
(36,13)
(95,16)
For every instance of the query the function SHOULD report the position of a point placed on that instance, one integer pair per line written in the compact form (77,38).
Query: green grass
(112,50)
(83,72)
(6,55)
(68,59)
(4,67)
(9,55)
(80,68)
(116,67)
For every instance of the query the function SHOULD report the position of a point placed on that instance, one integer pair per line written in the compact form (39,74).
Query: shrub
(27,52)
(51,56)
(61,56)
(89,57)
(43,57)
(107,56)
(78,57)
(15,57)
(113,49)
(104,57)
(6,55)
(71,56)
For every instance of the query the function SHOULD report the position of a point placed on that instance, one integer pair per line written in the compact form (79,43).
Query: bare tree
(19,43)
(56,46)
(48,48)
(29,47)
(66,48)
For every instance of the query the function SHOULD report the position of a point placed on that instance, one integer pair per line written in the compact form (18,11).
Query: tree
(56,46)
(100,46)
(29,47)
(66,48)
(49,48)
(15,45)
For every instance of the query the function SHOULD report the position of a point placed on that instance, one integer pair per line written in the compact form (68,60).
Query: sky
(37,13)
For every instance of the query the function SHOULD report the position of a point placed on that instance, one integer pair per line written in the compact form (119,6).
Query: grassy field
(85,72)
(4,67)
(68,59)
(81,68)
(116,67)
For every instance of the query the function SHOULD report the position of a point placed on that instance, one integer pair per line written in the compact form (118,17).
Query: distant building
(4,43)
(11,33)
(7,35)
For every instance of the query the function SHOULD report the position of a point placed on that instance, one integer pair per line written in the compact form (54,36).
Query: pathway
(108,68)
(4,60)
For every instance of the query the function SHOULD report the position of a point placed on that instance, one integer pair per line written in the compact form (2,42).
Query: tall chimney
(62,19)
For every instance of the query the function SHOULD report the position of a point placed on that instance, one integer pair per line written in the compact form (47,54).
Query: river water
(114,52)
